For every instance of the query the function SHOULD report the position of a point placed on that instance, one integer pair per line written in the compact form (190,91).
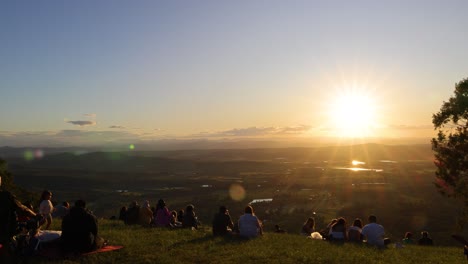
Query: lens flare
(131,147)
(237,192)
(28,155)
(38,154)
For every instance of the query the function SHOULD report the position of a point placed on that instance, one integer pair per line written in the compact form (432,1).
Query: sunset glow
(353,114)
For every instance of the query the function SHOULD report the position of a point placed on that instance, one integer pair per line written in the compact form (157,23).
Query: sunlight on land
(353,114)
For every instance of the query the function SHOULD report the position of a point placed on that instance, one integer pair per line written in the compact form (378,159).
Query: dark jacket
(221,222)
(79,230)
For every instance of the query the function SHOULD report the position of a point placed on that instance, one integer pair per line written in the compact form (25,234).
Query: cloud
(120,127)
(92,115)
(257,131)
(82,123)
(410,127)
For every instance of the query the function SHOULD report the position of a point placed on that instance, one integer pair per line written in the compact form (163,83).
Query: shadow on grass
(219,240)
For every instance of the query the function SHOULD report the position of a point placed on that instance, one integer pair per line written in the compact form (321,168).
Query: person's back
(79,230)
(133,212)
(249,225)
(222,223)
(425,240)
(355,231)
(190,220)
(8,222)
(374,232)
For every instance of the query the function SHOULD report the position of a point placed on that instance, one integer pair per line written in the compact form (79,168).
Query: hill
(157,245)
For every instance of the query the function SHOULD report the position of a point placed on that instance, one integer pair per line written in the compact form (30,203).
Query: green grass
(158,245)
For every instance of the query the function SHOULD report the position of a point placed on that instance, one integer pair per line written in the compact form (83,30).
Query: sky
(105,72)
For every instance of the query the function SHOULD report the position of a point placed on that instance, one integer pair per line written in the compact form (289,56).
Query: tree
(451,148)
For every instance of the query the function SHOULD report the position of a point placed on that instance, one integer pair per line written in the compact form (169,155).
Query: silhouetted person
(190,219)
(339,231)
(222,223)
(133,212)
(46,208)
(249,225)
(374,233)
(408,239)
(80,230)
(123,213)
(355,231)
(9,206)
(425,240)
(308,227)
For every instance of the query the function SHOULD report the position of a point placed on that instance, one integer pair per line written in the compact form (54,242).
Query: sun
(352,114)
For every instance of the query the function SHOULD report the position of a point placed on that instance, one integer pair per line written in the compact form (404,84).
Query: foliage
(451,147)
(159,245)
(9,185)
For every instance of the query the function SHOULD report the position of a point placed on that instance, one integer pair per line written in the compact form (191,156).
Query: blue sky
(112,71)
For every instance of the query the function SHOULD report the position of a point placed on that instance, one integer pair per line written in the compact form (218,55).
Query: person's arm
(259,225)
(24,209)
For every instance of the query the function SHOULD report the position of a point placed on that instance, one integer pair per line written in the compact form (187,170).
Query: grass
(158,245)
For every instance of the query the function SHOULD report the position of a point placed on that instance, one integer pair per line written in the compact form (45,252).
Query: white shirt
(46,207)
(374,234)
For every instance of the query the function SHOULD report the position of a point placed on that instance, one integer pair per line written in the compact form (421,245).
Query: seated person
(278,229)
(308,227)
(355,231)
(374,233)
(249,224)
(190,219)
(338,231)
(145,215)
(174,221)
(132,214)
(162,215)
(80,230)
(222,223)
(425,240)
(10,206)
(408,239)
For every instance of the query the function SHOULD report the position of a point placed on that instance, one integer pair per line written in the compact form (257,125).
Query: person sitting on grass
(249,225)
(408,239)
(80,230)
(190,219)
(145,215)
(374,233)
(222,223)
(338,231)
(46,208)
(354,232)
(162,216)
(425,240)
(308,227)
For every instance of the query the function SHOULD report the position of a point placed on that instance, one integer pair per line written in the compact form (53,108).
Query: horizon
(112,73)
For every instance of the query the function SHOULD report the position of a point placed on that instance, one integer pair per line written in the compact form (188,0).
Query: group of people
(159,216)
(79,230)
(371,233)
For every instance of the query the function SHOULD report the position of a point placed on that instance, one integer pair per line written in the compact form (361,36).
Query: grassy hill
(158,245)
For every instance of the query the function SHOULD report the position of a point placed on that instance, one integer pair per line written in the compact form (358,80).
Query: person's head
(408,235)
(310,222)
(133,204)
(189,208)
(425,234)
(66,204)
(341,221)
(223,209)
(146,204)
(46,195)
(174,214)
(249,210)
(80,204)
(372,219)
(357,222)
(161,204)
(181,212)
